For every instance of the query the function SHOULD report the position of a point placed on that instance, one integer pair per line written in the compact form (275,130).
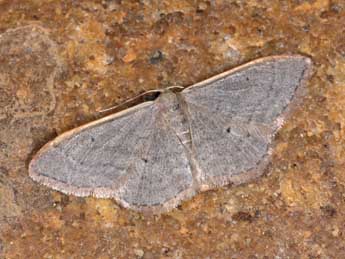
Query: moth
(156,154)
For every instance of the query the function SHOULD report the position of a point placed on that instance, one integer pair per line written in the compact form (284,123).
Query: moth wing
(258,91)
(234,116)
(226,150)
(131,156)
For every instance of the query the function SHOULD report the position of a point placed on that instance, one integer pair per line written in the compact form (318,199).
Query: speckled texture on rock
(114,50)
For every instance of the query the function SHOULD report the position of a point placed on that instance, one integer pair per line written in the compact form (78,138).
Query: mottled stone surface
(100,53)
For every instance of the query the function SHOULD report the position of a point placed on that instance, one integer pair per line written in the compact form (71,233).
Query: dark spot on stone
(145,160)
(328,210)
(165,251)
(306,28)
(156,57)
(335,8)
(92,139)
(330,78)
(3,145)
(82,216)
(165,20)
(228,130)
(321,99)
(232,29)
(242,216)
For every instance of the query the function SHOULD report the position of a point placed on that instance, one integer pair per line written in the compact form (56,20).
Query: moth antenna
(129,100)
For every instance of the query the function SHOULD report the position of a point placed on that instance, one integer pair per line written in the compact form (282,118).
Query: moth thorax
(173,113)
(168,101)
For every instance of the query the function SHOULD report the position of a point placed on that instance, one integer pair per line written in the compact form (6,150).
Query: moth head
(168,101)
